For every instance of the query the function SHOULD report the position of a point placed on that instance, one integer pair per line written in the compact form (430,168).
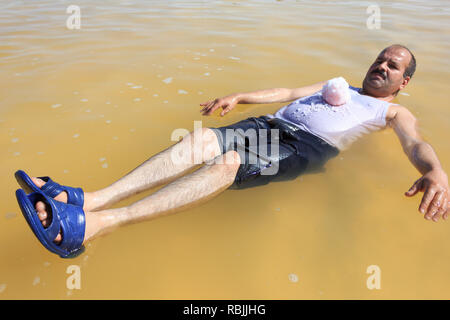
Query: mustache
(381,73)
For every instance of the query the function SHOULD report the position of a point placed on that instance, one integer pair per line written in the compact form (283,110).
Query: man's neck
(388,98)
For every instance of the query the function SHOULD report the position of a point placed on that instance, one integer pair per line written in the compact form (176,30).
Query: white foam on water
(234,58)
(293,278)
(10,215)
(155,95)
(137,99)
(56,105)
(206,73)
(102,159)
(36,281)
(14,140)
(108,121)
(182,91)
(76,135)
(84,100)
(105,165)
(136,87)
(167,80)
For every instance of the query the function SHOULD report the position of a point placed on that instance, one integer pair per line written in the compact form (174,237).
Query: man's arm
(274,95)
(434,180)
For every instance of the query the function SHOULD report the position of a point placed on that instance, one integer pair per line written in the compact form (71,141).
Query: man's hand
(435,202)
(226,103)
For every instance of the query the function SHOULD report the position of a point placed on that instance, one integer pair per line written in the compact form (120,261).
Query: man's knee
(229,161)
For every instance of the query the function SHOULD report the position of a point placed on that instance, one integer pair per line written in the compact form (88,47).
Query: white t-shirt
(341,125)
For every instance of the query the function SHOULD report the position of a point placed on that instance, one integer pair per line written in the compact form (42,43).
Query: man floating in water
(322,120)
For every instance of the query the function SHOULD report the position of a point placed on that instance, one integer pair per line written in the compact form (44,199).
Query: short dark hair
(411,68)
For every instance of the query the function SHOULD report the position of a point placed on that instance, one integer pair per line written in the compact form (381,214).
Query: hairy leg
(195,148)
(186,192)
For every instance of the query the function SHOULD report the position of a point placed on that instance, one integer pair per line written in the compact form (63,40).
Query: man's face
(385,75)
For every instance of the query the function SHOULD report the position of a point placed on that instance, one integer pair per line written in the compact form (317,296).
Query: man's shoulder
(394,110)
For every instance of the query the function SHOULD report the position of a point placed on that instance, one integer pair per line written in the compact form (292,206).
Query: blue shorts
(280,152)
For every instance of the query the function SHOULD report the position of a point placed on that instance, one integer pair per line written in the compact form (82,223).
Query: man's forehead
(396,54)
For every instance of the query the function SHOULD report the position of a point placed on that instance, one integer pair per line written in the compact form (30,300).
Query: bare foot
(62,197)
(46,219)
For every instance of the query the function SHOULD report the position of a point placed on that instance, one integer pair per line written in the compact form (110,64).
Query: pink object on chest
(336,92)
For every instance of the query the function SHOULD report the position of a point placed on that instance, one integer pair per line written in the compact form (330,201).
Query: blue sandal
(66,218)
(75,196)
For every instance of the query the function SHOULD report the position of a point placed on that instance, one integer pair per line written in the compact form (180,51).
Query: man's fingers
(436,206)
(446,208)
(429,203)
(211,106)
(443,208)
(414,189)
(225,110)
(207,105)
(440,213)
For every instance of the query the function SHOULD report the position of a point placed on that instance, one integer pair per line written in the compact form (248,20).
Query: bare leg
(194,149)
(186,192)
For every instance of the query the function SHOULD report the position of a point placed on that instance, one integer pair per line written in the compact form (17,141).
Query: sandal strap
(75,196)
(71,222)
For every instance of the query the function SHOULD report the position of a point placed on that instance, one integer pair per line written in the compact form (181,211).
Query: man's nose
(383,66)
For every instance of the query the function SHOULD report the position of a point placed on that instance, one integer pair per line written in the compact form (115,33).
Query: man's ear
(405,82)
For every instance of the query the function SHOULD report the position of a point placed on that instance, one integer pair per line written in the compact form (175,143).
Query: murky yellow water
(86,106)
